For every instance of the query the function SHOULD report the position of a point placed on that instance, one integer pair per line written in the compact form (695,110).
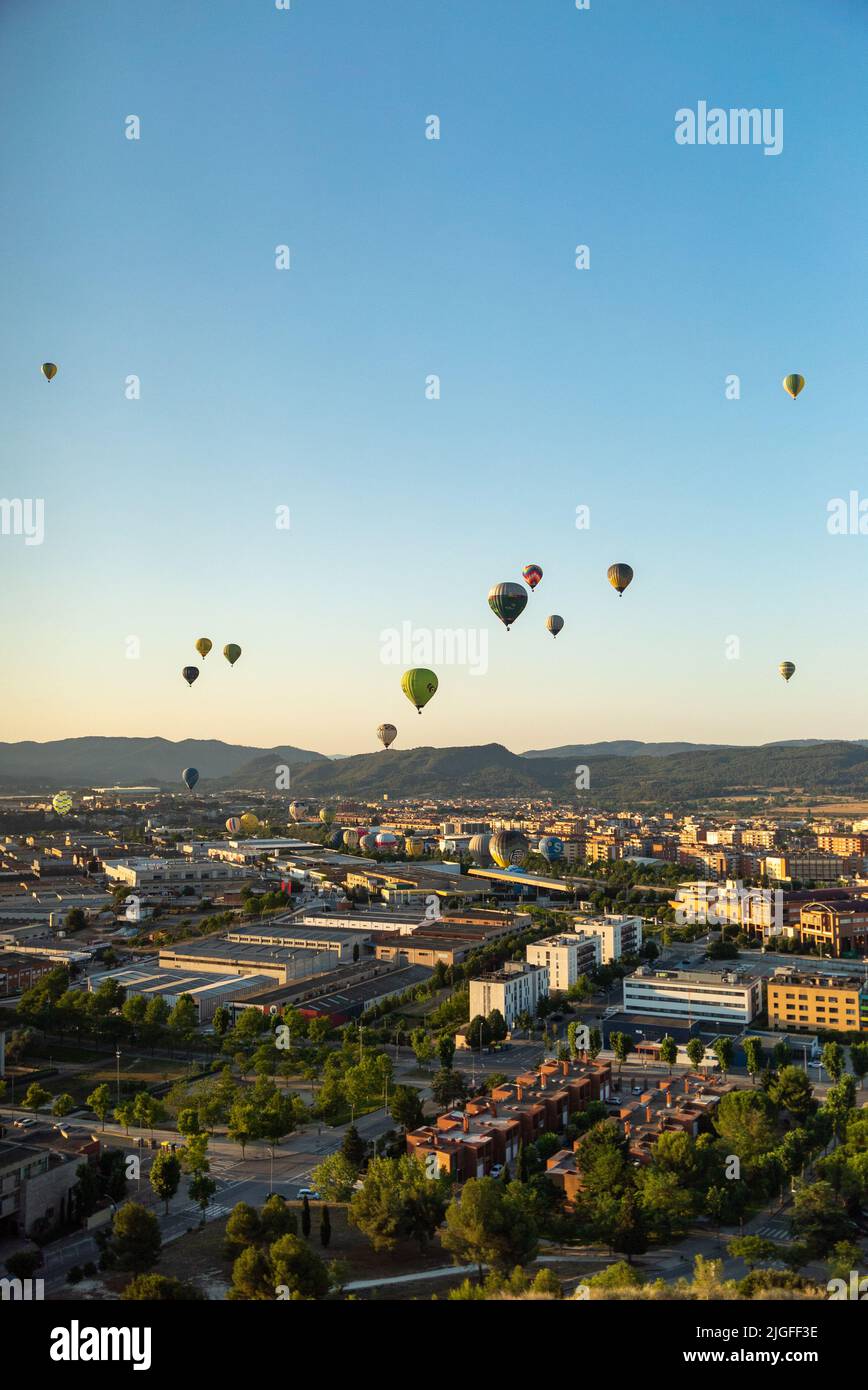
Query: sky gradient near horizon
(306,388)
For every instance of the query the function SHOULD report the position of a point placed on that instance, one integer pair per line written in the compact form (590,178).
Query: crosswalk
(772,1231)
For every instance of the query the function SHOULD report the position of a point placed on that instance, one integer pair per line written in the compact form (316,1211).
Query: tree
(125,1113)
(491,1225)
(668,1052)
(242,1126)
(201,1190)
(446,1051)
(325,1228)
(353,1148)
(745,1120)
(277,1219)
(36,1097)
(335,1177)
(165,1176)
(297,1270)
(695,1051)
(666,1207)
(147,1110)
(753,1054)
(135,1240)
(63,1104)
(595,1044)
(243,1226)
(276,1119)
(832,1058)
(782,1053)
(622,1045)
(160,1288)
(723,1050)
(478,1032)
(628,1235)
(23,1264)
(398,1202)
(859,1061)
(448,1086)
(252,1276)
(792,1091)
(406,1107)
(754,1250)
(819,1219)
(496,1026)
(188,1122)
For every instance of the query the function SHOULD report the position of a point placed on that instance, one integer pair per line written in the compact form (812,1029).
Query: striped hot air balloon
(233,825)
(793,384)
(787,670)
(508,847)
(62,803)
(507,602)
(554,623)
(531,574)
(387,733)
(619,577)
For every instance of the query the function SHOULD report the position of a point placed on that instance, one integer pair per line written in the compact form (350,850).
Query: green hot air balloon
(232,651)
(507,602)
(787,669)
(419,684)
(793,384)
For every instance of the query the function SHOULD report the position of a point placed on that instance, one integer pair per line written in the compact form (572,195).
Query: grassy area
(137,1074)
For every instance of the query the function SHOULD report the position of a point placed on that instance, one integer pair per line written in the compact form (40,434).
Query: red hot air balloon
(531,574)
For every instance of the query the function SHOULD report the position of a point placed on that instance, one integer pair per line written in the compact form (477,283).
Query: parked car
(311,1194)
(496,1170)
(24,1122)
(637,1090)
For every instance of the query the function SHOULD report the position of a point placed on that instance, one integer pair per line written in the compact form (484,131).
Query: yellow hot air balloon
(49,370)
(793,384)
(62,803)
(249,821)
(203,646)
(787,669)
(619,577)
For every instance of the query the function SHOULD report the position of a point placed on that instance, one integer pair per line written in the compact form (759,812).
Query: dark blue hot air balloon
(551,848)
(190,776)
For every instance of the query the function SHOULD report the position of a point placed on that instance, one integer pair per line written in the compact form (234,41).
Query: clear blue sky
(409,257)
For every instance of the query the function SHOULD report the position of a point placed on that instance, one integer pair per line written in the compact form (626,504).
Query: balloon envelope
(551,847)
(302,810)
(190,776)
(531,574)
(793,384)
(620,576)
(387,733)
(554,623)
(368,843)
(249,821)
(419,684)
(62,803)
(386,840)
(351,838)
(508,847)
(232,651)
(478,850)
(190,674)
(507,602)
(414,844)
(203,646)
(233,825)
(49,370)
(787,669)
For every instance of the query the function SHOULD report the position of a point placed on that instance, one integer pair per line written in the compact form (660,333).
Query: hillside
(88,762)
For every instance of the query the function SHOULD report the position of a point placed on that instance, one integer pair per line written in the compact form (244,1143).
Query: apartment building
(809,867)
(835,928)
(619,936)
(733,996)
(514,989)
(799,1002)
(565,958)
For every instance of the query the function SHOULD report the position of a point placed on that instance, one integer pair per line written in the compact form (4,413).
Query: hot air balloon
(414,844)
(232,651)
(551,848)
(793,384)
(233,825)
(249,821)
(62,803)
(302,810)
(327,815)
(190,674)
(531,574)
(368,843)
(787,669)
(554,623)
(190,776)
(508,847)
(619,577)
(387,733)
(203,646)
(507,602)
(478,850)
(351,838)
(419,684)
(386,840)
(49,370)
(335,839)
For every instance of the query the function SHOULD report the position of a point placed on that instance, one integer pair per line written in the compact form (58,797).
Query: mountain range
(661,774)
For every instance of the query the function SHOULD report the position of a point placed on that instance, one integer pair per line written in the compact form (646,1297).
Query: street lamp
(118,1060)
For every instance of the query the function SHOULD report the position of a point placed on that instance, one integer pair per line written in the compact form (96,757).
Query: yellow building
(817,1003)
